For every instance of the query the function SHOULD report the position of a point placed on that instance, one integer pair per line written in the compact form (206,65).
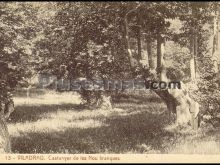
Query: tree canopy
(110,40)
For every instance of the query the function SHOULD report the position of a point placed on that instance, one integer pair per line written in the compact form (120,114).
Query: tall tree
(215,50)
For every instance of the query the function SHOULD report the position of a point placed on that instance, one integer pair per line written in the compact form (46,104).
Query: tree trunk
(160,58)
(139,36)
(215,50)
(5,146)
(193,47)
(168,99)
(106,102)
(9,108)
(159,53)
(177,100)
(132,60)
(149,53)
(192,59)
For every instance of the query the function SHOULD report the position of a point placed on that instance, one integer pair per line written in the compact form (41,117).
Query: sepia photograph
(110,81)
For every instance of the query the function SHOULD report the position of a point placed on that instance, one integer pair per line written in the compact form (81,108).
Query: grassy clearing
(57,123)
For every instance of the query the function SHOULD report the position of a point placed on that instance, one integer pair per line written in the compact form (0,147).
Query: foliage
(89,39)
(15,36)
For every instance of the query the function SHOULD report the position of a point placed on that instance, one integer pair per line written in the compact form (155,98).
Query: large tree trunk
(168,99)
(5,146)
(177,100)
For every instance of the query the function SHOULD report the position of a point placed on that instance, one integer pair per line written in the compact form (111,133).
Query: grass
(58,123)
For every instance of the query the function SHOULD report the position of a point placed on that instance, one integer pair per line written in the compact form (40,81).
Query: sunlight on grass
(45,126)
(196,147)
(49,98)
(202,141)
(57,123)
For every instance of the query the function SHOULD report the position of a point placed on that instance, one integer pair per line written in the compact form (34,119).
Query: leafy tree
(107,40)
(17,33)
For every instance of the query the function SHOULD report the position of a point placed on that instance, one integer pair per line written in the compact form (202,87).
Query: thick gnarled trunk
(179,103)
(177,100)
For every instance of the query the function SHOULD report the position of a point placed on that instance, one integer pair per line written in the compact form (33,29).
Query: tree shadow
(136,99)
(34,92)
(137,129)
(118,134)
(31,113)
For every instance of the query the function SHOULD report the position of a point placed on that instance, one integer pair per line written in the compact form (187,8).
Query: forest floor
(58,123)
